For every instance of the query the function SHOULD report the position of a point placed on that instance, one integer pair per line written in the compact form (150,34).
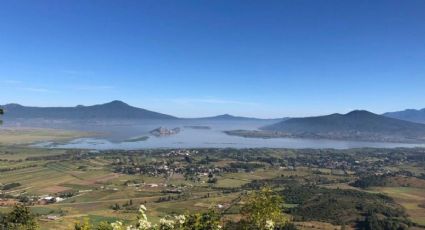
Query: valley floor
(110,185)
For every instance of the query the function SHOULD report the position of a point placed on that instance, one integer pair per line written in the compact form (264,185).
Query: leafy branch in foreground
(263,210)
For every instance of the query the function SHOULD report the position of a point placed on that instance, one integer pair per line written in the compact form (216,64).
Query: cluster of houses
(180,152)
(37,200)
(47,199)
(344,164)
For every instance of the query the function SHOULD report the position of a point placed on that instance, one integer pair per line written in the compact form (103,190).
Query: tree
(373,222)
(203,221)
(211,178)
(104,226)
(1,113)
(20,218)
(263,210)
(83,226)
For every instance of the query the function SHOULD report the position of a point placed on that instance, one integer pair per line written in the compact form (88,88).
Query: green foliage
(20,218)
(202,221)
(371,180)
(248,167)
(339,206)
(263,210)
(373,222)
(103,226)
(10,186)
(85,225)
(298,194)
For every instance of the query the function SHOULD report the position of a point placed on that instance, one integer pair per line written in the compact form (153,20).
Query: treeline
(247,167)
(69,155)
(374,222)
(9,186)
(293,180)
(371,181)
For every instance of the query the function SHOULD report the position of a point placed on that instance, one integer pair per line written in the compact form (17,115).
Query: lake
(195,133)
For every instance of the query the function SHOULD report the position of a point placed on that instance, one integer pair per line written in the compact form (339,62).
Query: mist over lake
(194,133)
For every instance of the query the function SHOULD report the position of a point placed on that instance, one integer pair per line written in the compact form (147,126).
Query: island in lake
(161,131)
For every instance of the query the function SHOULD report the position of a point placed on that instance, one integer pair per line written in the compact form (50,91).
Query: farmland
(110,185)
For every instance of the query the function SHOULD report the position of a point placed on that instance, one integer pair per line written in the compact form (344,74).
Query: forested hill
(358,124)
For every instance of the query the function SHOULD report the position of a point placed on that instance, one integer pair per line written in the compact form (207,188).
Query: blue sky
(199,58)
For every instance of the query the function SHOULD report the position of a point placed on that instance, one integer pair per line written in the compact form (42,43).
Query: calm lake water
(115,135)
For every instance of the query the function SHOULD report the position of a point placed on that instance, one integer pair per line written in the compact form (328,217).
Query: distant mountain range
(228,117)
(111,110)
(408,115)
(355,125)
(358,120)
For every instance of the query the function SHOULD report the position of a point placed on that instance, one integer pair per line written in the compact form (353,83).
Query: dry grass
(410,199)
(318,225)
(19,136)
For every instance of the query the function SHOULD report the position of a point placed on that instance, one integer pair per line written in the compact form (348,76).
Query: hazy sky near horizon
(200,58)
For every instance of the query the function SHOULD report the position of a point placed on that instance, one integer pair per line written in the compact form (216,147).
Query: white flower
(116,225)
(166,223)
(269,225)
(180,219)
(142,207)
(144,224)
